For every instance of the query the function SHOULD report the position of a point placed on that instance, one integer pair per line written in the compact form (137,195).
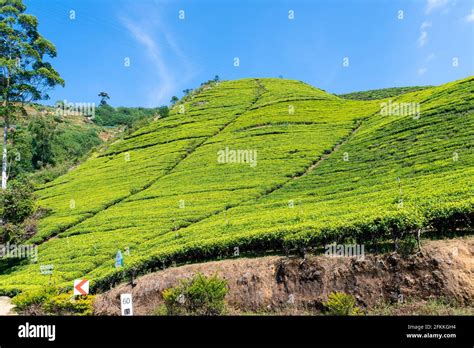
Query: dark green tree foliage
(216,79)
(17,204)
(43,131)
(104,96)
(47,146)
(73,143)
(163,111)
(174,100)
(107,115)
(20,155)
(17,201)
(25,75)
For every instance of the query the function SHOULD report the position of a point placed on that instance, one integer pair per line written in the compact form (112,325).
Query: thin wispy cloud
(470,17)
(167,60)
(434,5)
(154,53)
(422,71)
(425,25)
(430,57)
(423,38)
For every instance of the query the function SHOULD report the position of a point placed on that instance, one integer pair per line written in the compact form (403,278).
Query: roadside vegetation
(342,304)
(51,301)
(199,295)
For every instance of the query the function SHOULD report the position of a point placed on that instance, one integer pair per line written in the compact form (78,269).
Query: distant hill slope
(318,169)
(382,93)
(62,139)
(47,141)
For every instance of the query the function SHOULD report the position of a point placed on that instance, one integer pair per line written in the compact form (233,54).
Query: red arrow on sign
(79,288)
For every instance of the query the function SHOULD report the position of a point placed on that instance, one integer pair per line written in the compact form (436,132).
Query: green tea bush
(34,298)
(340,303)
(199,295)
(49,301)
(67,304)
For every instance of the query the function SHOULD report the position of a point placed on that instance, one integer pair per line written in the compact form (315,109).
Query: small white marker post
(126,304)
(47,270)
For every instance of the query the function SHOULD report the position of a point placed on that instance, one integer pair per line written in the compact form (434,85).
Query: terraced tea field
(313,168)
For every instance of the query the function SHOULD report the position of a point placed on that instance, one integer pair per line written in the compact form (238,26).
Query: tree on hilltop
(104,96)
(174,100)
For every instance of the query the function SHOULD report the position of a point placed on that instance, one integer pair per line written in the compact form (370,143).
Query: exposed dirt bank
(445,269)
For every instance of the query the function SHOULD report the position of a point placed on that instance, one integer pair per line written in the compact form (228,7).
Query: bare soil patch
(275,284)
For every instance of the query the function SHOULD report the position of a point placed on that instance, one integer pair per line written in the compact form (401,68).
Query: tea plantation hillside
(382,93)
(258,165)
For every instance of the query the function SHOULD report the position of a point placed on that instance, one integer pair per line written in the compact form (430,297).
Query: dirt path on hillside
(273,283)
(6,306)
(334,149)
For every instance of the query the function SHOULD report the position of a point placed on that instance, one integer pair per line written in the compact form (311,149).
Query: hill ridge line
(260,87)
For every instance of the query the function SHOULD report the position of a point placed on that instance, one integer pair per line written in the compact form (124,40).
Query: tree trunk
(4,156)
(6,118)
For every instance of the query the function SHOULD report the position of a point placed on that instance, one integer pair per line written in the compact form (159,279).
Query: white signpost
(126,304)
(46,269)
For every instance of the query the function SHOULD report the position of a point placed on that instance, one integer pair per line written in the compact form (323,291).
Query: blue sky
(168,54)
